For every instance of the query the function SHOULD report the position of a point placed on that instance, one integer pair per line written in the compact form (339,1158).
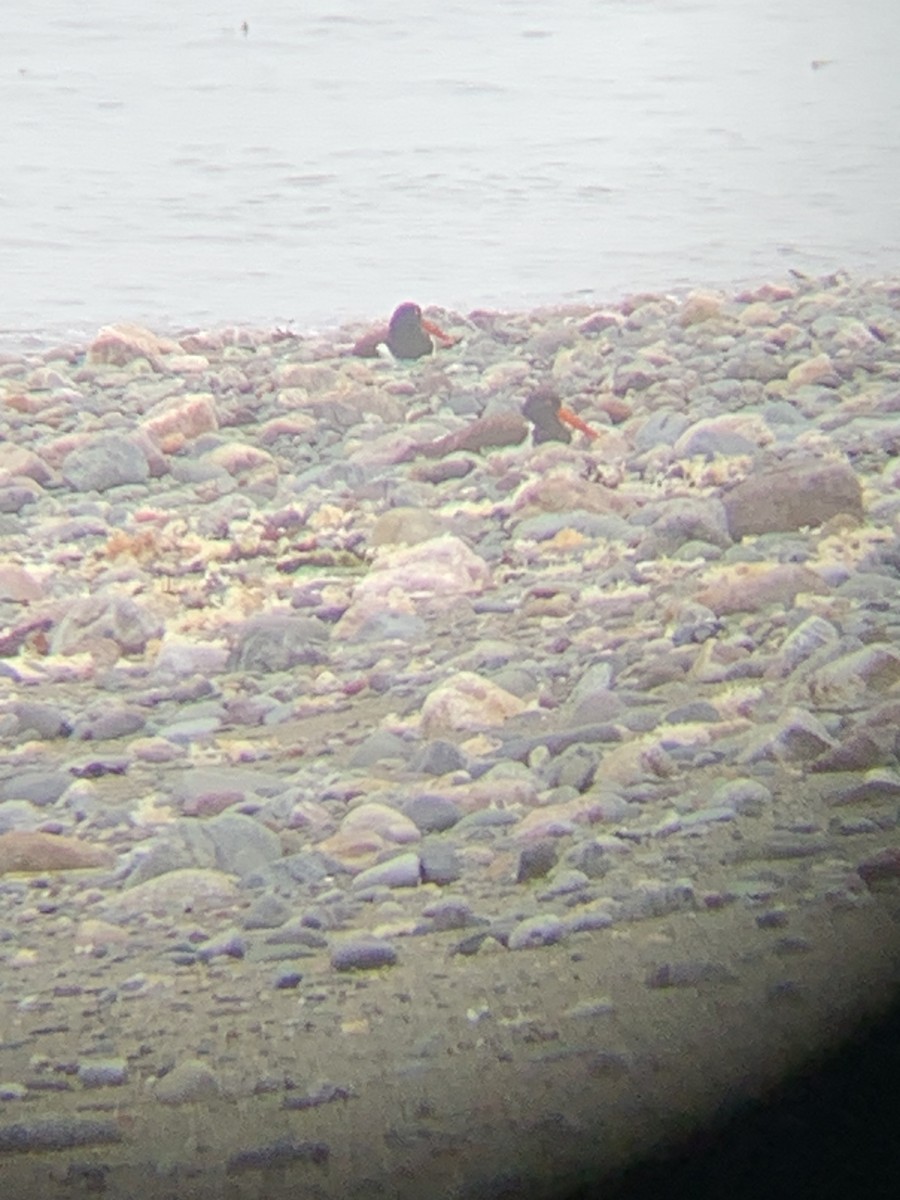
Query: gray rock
(278,642)
(45,720)
(438,862)
(565,882)
(792,495)
(377,746)
(276,1155)
(655,900)
(39,787)
(19,814)
(709,443)
(57,1133)
(403,870)
(536,861)
(105,616)
(746,796)
(438,757)
(231,843)
(107,460)
(103,1072)
(684,519)
(798,736)
(266,912)
(189,1082)
(545,929)
(662,428)
(432,814)
(114,721)
(575,767)
(698,710)
(451,914)
(690,974)
(390,627)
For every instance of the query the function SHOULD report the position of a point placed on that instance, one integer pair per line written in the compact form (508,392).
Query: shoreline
(20,339)
(376,785)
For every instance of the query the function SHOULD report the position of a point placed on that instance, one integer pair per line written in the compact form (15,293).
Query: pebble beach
(388,804)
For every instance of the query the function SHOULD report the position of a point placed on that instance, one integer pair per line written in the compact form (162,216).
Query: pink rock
(16,584)
(817,370)
(748,587)
(56,451)
(354,849)
(365,832)
(759,313)
(699,307)
(187,364)
(387,822)
(181,418)
(467,703)
(314,377)
(440,569)
(16,460)
(562,488)
(767,291)
(238,458)
(118,345)
(178,656)
(557,820)
(211,803)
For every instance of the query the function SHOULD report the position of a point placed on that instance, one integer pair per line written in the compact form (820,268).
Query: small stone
(287,980)
(689,974)
(279,1154)
(362,954)
(401,871)
(432,814)
(536,861)
(103,1072)
(883,866)
(439,863)
(545,929)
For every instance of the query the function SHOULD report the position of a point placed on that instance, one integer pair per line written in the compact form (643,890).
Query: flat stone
(30,851)
(362,954)
(793,495)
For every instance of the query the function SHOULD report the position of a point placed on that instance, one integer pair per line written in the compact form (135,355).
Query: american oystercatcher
(549,419)
(409,335)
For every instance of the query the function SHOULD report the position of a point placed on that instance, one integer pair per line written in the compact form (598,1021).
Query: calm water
(158,164)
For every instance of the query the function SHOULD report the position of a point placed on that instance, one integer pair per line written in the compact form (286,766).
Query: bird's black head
(406,316)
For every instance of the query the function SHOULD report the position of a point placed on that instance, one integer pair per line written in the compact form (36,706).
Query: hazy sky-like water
(160,165)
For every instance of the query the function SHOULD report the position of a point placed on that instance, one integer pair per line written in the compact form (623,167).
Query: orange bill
(445,339)
(566,415)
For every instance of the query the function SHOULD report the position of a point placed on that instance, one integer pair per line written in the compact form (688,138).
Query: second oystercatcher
(409,335)
(549,419)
